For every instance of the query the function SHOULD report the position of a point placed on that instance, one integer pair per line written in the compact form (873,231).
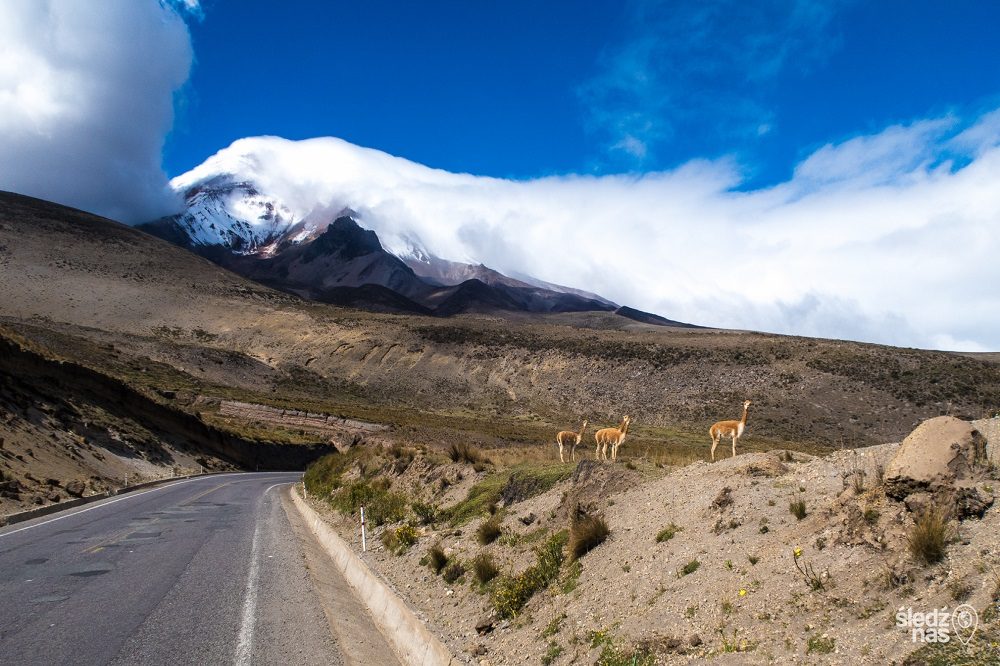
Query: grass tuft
(585,534)
(453,572)
(689,568)
(484,568)
(667,533)
(928,538)
(464,452)
(436,559)
(489,530)
(798,509)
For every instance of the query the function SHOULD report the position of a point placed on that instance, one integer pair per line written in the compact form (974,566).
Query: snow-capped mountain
(232,214)
(346,225)
(263,196)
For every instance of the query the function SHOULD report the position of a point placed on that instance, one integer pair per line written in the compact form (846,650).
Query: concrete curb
(413,642)
(22,516)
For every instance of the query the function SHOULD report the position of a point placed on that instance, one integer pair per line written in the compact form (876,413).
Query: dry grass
(464,452)
(927,540)
(585,534)
(436,559)
(798,509)
(489,530)
(484,568)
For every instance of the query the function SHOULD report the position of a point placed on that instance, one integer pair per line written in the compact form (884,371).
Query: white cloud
(86,100)
(874,239)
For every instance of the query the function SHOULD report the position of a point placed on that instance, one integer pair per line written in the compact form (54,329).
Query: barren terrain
(702,561)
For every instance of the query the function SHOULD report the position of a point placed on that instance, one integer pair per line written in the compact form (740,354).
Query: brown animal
(732,429)
(571,439)
(612,436)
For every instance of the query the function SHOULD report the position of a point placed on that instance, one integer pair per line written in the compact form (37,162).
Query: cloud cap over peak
(867,241)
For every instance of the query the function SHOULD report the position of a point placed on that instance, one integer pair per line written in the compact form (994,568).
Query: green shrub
(615,655)
(667,533)
(529,480)
(399,540)
(425,513)
(552,628)
(382,506)
(585,534)
(511,593)
(323,476)
(820,644)
(552,653)
(690,567)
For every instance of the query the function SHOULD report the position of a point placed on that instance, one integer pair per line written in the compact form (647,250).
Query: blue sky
(524,89)
(813,168)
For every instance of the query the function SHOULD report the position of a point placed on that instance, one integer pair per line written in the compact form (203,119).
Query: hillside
(168,323)
(768,558)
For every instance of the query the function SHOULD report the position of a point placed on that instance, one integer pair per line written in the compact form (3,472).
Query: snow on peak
(299,178)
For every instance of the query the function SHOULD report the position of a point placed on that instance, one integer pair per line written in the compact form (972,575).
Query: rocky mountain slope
(333,264)
(325,255)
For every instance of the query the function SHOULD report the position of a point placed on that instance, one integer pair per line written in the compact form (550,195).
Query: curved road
(211,570)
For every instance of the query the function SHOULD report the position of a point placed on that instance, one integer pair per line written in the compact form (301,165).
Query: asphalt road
(213,570)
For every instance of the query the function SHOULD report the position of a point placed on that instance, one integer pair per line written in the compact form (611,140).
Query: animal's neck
(743,421)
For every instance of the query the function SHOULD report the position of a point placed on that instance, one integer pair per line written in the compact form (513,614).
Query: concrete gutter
(412,641)
(21,516)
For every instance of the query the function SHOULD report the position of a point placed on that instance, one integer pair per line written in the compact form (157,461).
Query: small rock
(478,650)
(53,497)
(969,503)
(527,520)
(484,626)
(75,488)
(918,502)
(694,640)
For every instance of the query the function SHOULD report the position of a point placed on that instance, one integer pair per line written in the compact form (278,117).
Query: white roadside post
(364,542)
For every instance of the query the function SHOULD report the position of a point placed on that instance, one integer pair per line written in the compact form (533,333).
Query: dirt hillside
(702,561)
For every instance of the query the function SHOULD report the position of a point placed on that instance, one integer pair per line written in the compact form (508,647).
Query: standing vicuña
(612,436)
(732,429)
(571,439)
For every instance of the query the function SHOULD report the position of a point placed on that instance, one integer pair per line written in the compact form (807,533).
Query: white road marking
(97,506)
(244,643)
(120,499)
